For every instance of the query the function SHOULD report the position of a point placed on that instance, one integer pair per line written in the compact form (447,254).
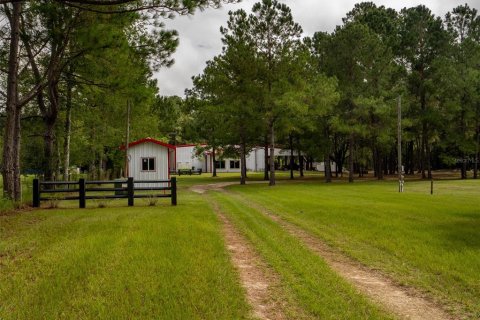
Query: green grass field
(426,241)
(159,262)
(167,262)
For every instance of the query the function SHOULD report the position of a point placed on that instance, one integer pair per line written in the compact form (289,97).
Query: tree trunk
(58,164)
(380,165)
(16,168)
(411,162)
(423,157)
(477,144)
(350,159)
(300,158)
(292,162)
(243,163)
(48,150)
(328,168)
(214,169)
(272,154)
(50,119)
(266,162)
(68,128)
(11,144)
(429,163)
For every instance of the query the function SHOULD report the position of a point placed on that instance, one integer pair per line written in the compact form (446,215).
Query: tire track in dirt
(219,186)
(258,281)
(406,303)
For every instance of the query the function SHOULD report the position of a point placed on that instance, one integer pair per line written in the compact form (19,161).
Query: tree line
(333,96)
(70,68)
(67,71)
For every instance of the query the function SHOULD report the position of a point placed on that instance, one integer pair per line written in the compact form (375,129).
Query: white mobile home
(187,158)
(150,159)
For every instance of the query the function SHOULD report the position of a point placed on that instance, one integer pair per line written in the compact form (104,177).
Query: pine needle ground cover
(431,242)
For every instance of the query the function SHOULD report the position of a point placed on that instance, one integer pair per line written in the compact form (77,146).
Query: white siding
(256,158)
(227,166)
(148,150)
(186,158)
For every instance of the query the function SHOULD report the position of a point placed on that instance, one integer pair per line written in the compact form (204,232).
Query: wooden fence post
(36,193)
(173,186)
(81,193)
(130,188)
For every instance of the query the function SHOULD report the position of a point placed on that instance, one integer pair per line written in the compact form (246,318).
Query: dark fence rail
(83,187)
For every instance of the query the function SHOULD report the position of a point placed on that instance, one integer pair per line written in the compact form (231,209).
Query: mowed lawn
(145,262)
(310,288)
(431,242)
(166,262)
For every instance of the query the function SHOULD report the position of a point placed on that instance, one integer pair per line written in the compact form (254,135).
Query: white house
(187,158)
(150,159)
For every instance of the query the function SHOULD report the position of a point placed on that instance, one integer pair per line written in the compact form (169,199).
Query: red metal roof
(144,140)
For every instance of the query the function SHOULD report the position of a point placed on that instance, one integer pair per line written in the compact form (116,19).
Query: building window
(220,164)
(148,164)
(234,164)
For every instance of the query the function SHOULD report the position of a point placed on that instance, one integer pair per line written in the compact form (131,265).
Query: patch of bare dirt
(202,188)
(406,303)
(258,281)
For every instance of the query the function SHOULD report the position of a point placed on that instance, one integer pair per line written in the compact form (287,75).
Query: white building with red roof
(150,159)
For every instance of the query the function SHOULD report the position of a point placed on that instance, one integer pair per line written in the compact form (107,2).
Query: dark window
(220,164)
(234,164)
(148,164)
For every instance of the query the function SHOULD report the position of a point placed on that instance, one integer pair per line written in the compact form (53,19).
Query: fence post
(81,193)
(130,188)
(173,186)
(36,193)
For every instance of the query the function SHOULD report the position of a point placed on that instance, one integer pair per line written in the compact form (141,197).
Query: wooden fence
(79,190)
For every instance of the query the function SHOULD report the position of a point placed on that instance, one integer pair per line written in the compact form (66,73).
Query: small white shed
(150,159)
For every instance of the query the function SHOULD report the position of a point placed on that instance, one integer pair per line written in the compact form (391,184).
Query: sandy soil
(257,280)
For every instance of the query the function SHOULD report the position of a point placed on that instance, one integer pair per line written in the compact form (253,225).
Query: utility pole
(127,137)
(399,139)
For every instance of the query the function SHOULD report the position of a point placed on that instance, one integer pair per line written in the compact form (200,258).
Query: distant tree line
(333,97)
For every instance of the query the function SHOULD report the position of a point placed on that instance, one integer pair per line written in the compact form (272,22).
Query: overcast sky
(200,36)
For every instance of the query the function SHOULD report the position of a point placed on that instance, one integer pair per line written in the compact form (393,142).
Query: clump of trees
(68,69)
(333,96)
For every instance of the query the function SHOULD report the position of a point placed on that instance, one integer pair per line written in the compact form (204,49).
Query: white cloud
(200,36)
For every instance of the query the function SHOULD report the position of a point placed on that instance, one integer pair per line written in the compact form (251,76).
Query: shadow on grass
(464,232)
